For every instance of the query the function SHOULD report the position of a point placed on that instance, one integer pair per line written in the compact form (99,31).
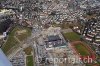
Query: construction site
(75,20)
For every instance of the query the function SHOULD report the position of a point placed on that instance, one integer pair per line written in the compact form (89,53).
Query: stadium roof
(52,45)
(53,38)
(3,59)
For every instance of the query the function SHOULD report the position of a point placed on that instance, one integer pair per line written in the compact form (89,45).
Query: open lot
(11,40)
(29,61)
(28,50)
(71,36)
(23,33)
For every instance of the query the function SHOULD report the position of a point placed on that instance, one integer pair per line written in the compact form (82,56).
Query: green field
(82,50)
(72,36)
(29,61)
(63,25)
(11,41)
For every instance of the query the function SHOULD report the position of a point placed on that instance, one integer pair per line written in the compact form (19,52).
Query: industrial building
(54,39)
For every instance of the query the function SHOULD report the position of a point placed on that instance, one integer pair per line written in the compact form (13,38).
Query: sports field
(71,36)
(29,61)
(82,50)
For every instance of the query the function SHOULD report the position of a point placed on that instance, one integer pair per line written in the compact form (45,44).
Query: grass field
(63,26)
(11,41)
(82,50)
(29,61)
(72,36)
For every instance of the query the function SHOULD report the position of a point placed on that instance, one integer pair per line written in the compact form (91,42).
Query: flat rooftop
(54,41)
(53,45)
(53,38)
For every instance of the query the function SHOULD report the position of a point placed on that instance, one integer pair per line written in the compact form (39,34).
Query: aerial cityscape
(49,32)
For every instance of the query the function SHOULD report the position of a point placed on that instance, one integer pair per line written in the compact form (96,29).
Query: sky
(3,59)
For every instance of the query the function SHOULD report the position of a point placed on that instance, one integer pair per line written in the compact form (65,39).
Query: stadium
(82,50)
